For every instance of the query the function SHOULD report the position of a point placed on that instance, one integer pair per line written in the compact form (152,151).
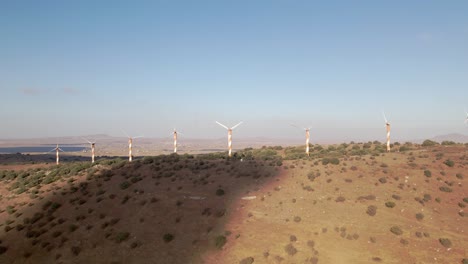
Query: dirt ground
(369,209)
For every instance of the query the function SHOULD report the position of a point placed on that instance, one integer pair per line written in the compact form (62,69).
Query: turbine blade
(237,125)
(61,150)
(385,118)
(137,137)
(295,126)
(87,140)
(222,125)
(125,133)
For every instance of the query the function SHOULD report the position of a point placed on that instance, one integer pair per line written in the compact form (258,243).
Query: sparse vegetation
(445,242)
(67,205)
(419,216)
(396,230)
(427,173)
(168,237)
(290,249)
(220,241)
(445,189)
(429,143)
(449,163)
(371,210)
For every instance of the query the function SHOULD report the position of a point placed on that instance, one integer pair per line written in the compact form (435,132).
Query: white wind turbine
(387,125)
(307,131)
(466,119)
(229,135)
(57,151)
(130,142)
(93,144)
(175,133)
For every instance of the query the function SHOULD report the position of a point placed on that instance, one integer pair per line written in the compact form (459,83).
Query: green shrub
(168,237)
(445,189)
(447,143)
(427,173)
(122,236)
(419,216)
(429,143)
(220,241)
(390,204)
(396,230)
(445,242)
(124,185)
(449,163)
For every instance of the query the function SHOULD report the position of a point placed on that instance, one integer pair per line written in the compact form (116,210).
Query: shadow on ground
(165,209)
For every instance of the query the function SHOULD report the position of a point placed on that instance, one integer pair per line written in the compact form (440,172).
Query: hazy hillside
(348,203)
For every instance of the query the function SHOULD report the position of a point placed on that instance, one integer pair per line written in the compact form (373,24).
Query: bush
(124,185)
(396,230)
(445,189)
(248,260)
(429,143)
(334,161)
(290,249)
(390,204)
(168,237)
(419,216)
(449,163)
(447,143)
(371,210)
(220,241)
(445,242)
(122,236)
(220,192)
(427,173)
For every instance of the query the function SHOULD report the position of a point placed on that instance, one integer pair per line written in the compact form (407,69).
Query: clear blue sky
(89,67)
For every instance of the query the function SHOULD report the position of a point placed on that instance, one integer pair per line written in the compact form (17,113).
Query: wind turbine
(387,125)
(92,149)
(229,135)
(466,119)
(175,133)
(57,151)
(130,141)
(307,131)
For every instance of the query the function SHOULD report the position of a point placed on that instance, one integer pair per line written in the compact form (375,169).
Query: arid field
(348,203)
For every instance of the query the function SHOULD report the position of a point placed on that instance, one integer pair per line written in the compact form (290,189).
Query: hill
(347,203)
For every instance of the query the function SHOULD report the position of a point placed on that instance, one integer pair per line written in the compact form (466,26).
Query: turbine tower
(57,151)
(229,135)
(93,144)
(387,125)
(307,131)
(175,133)
(130,142)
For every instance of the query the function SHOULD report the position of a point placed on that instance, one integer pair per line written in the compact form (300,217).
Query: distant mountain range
(459,138)
(240,142)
